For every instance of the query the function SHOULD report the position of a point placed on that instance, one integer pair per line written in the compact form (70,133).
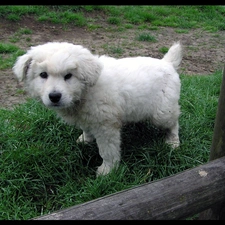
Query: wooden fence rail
(174,197)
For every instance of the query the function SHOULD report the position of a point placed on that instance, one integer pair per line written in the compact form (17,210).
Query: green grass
(181,31)
(113,50)
(164,50)
(18,35)
(114,20)
(44,170)
(210,18)
(25,31)
(64,18)
(8,55)
(7,48)
(145,37)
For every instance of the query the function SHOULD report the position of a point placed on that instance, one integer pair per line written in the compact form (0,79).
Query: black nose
(55,96)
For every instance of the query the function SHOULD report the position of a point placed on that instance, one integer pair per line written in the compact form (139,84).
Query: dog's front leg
(109,149)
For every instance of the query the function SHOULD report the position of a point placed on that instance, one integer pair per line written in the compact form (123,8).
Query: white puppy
(98,94)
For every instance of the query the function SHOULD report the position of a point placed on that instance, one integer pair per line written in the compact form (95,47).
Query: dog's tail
(174,55)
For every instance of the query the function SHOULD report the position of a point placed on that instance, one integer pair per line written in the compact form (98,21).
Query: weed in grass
(162,11)
(164,50)
(221,26)
(133,15)
(216,35)
(13,17)
(158,23)
(128,26)
(171,21)
(91,8)
(120,28)
(116,50)
(114,20)
(113,49)
(18,35)
(210,28)
(182,31)
(78,20)
(142,27)
(133,18)
(152,28)
(113,11)
(92,26)
(43,18)
(28,39)
(54,17)
(145,37)
(148,16)
(20,92)
(7,48)
(25,31)
(186,23)
(8,55)
(14,39)
(75,18)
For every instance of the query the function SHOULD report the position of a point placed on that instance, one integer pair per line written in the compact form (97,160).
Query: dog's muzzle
(55,96)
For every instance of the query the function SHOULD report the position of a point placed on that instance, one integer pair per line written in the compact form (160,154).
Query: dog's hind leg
(109,150)
(172,137)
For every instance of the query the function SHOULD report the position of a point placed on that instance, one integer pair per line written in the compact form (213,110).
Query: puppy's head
(57,72)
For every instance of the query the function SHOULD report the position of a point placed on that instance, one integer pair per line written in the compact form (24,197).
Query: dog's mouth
(55,105)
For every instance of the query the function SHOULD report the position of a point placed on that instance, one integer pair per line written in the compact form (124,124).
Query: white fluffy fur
(104,92)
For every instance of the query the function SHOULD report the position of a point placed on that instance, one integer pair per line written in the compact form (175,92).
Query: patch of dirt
(204,52)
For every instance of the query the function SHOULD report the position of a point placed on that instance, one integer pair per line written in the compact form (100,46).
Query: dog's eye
(44,75)
(68,76)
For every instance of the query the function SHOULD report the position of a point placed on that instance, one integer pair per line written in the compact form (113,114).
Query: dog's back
(143,87)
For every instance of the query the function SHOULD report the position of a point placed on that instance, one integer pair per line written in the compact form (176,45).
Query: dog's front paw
(173,144)
(84,138)
(173,141)
(80,139)
(104,169)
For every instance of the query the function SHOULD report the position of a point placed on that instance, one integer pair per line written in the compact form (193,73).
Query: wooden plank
(218,142)
(174,197)
(218,150)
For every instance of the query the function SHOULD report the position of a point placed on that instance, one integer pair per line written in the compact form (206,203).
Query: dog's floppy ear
(89,67)
(21,66)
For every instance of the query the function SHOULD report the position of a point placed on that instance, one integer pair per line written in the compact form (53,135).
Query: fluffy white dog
(99,93)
